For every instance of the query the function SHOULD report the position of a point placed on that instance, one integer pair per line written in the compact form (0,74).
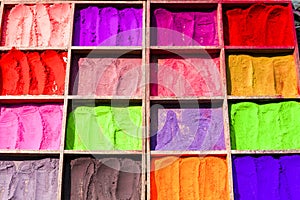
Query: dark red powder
(260,25)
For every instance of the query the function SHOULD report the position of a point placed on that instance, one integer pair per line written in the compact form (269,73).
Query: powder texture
(271,126)
(108,26)
(18,132)
(32,179)
(254,76)
(105,128)
(186,28)
(189,178)
(32,73)
(107,179)
(109,76)
(266,177)
(259,25)
(39,25)
(186,77)
(188,129)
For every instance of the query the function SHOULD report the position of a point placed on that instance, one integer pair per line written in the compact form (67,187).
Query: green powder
(273,126)
(105,128)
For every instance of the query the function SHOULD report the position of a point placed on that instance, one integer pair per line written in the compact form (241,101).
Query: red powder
(32,73)
(15,73)
(260,25)
(37,73)
(56,70)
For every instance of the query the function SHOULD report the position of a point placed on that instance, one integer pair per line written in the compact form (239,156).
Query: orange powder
(258,76)
(191,178)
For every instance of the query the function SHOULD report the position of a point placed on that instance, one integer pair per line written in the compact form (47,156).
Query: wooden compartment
(109,166)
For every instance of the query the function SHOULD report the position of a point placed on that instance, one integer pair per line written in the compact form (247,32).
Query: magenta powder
(185,28)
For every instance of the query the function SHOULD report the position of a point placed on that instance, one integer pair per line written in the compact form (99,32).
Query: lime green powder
(105,128)
(273,126)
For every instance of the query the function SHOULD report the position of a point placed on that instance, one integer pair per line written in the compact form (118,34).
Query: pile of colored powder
(189,178)
(105,128)
(186,28)
(259,25)
(32,127)
(266,177)
(252,76)
(108,26)
(188,129)
(32,73)
(271,126)
(105,179)
(109,76)
(30,179)
(39,25)
(186,77)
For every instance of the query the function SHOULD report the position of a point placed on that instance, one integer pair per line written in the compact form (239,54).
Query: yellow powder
(262,76)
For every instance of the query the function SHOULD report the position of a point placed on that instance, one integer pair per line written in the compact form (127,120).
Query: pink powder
(37,25)
(30,127)
(109,76)
(186,77)
(52,119)
(8,124)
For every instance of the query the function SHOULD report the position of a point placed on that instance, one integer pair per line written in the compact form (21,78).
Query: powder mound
(186,28)
(107,179)
(108,26)
(104,128)
(30,179)
(18,131)
(266,177)
(270,126)
(32,73)
(189,178)
(255,76)
(39,25)
(259,25)
(108,76)
(188,129)
(186,77)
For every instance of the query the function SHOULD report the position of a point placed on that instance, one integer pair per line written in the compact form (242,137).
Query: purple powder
(266,177)
(108,26)
(7,172)
(130,30)
(30,179)
(188,129)
(185,28)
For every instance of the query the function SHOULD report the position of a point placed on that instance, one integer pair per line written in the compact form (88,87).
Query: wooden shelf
(104,152)
(184,1)
(32,97)
(29,152)
(104,97)
(260,97)
(247,152)
(192,98)
(179,153)
(7,48)
(146,52)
